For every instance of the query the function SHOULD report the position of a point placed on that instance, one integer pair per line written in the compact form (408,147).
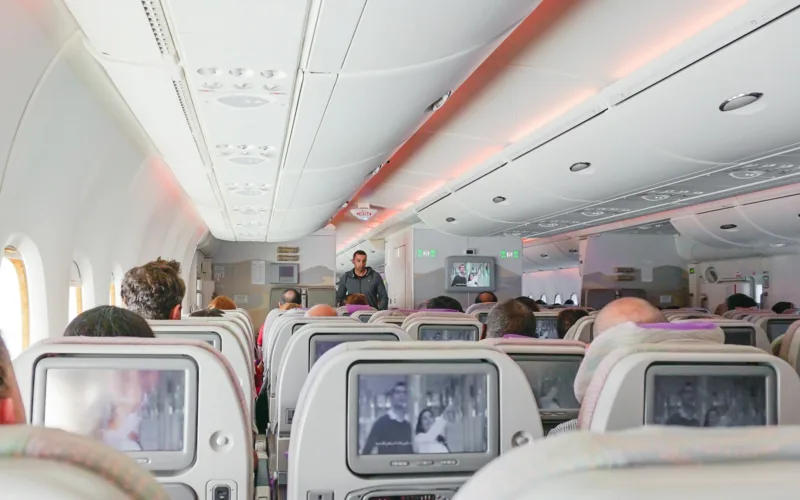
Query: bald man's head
(321,311)
(626,310)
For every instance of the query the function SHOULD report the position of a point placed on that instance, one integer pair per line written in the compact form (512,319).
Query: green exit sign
(419,253)
(423,254)
(509,254)
(503,254)
(433,254)
(516,254)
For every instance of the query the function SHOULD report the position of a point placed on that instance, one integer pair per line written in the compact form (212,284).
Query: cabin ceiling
(280,116)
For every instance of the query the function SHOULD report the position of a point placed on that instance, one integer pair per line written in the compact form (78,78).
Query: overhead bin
(464,221)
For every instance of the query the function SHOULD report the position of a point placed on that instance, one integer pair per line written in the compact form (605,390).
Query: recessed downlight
(655,197)
(573,250)
(209,71)
(544,256)
(450,219)
(581,165)
(740,101)
(237,72)
(593,213)
(777,245)
(345,204)
(499,199)
(441,101)
(728,227)
(548,224)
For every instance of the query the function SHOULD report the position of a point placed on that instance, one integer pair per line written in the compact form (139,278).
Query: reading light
(777,245)
(548,224)
(499,199)
(450,219)
(581,165)
(573,250)
(728,227)
(209,72)
(241,72)
(655,197)
(544,256)
(740,101)
(438,104)
(212,85)
(243,86)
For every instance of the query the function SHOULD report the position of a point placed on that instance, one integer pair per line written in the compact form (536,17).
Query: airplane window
(557,299)
(75,293)
(14,315)
(112,293)
(574,299)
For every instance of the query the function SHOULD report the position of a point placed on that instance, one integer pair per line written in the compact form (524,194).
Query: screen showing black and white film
(129,410)
(552,380)
(710,400)
(777,327)
(422,414)
(546,327)
(739,335)
(439,333)
(470,274)
(483,317)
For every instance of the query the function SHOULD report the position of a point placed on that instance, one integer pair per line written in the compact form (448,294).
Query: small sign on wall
(258,272)
(219,272)
(288,249)
(241,299)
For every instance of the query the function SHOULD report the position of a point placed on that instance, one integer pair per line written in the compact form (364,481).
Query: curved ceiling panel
(697,252)
(677,115)
(408,33)
(318,187)
(779,218)
(299,222)
(465,222)
(548,256)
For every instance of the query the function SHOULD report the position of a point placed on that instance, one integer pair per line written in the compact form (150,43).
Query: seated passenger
(321,311)
(569,302)
(740,301)
(486,298)
(222,303)
(540,302)
(289,296)
(12,411)
(721,309)
(510,319)
(780,307)
(154,290)
(207,313)
(108,321)
(356,299)
(443,302)
(628,309)
(566,319)
(533,305)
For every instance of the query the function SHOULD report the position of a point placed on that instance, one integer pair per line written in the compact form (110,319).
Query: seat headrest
(352,308)
(98,459)
(563,463)
(484,306)
(528,341)
(628,334)
(788,340)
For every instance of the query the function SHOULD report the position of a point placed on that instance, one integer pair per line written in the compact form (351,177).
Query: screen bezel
(483,317)
(781,321)
(475,336)
(469,259)
(211,338)
(541,319)
(157,461)
(551,415)
(344,337)
(752,332)
(694,370)
(428,462)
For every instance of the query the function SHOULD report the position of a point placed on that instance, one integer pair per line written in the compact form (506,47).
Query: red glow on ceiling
(552,114)
(686,31)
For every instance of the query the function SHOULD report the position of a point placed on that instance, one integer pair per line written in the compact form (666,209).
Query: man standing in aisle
(363,280)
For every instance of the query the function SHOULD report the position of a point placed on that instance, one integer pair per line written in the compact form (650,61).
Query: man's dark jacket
(371,285)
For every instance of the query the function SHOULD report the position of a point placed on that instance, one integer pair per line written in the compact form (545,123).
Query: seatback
(776,325)
(270,337)
(232,343)
(62,385)
(739,332)
(551,367)
(433,327)
(656,463)
(309,344)
(581,331)
(36,462)
(393,316)
(487,391)
(690,384)
(790,346)
(362,316)
(546,323)
(474,309)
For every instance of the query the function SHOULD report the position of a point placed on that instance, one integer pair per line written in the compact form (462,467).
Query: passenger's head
(359,260)
(540,302)
(108,321)
(222,303)
(511,316)
(290,306)
(445,302)
(154,290)
(533,305)
(721,309)
(321,311)
(567,318)
(425,421)
(569,302)
(290,296)
(398,397)
(207,313)
(485,298)
(628,309)
(740,301)
(12,412)
(356,299)
(782,306)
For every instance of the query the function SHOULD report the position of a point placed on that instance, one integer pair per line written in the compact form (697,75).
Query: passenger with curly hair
(154,290)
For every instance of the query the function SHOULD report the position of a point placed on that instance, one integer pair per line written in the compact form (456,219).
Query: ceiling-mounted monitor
(469,273)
